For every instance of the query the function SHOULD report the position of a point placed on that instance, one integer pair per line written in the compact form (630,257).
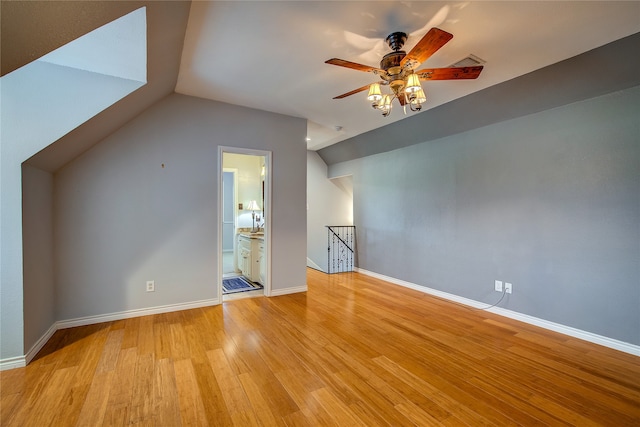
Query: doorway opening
(243,232)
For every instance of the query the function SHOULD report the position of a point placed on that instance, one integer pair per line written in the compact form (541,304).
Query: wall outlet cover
(508,287)
(151,286)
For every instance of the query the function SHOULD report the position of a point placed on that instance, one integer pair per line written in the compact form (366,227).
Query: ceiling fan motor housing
(395,73)
(391,63)
(392,59)
(396,40)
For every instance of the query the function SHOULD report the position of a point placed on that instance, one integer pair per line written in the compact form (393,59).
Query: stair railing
(341,241)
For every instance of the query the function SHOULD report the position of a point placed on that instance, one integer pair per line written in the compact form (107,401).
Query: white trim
(313,265)
(234,171)
(101,318)
(12,363)
(268,162)
(286,291)
(40,343)
(556,327)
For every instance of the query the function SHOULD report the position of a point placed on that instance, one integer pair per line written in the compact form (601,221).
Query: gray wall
(121,218)
(549,202)
(327,204)
(37,246)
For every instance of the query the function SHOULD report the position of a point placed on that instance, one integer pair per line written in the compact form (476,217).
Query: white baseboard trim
(13,363)
(101,318)
(313,265)
(21,361)
(40,343)
(286,291)
(556,327)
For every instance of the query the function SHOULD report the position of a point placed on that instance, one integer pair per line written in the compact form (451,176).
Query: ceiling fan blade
(344,95)
(352,65)
(450,73)
(427,46)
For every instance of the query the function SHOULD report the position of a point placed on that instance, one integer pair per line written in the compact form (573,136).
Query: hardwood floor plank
(95,404)
(235,399)
(378,406)
(58,387)
(245,419)
(25,385)
(179,343)
(142,395)
(212,396)
(131,335)
(77,349)
(299,382)
(192,410)
(352,350)
(166,405)
(336,408)
(110,352)
(119,403)
(445,401)
(258,402)
(123,383)
(10,404)
(299,419)
(416,414)
(161,338)
(145,341)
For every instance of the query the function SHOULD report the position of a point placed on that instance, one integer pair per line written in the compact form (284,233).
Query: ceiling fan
(398,71)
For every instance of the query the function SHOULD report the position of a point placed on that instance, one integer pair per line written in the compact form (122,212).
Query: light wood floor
(351,351)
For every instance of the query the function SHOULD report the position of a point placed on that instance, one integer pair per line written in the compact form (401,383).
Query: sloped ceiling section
(610,68)
(117,49)
(47,98)
(31,30)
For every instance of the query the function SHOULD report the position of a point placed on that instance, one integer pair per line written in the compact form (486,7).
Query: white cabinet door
(239,252)
(255,264)
(244,256)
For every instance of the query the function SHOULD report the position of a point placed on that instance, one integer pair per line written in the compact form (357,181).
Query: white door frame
(235,201)
(267,211)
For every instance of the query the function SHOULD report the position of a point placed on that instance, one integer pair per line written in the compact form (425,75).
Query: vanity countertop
(258,235)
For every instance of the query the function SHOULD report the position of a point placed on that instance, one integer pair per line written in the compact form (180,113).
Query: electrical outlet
(507,287)
(498,286)
(151,286)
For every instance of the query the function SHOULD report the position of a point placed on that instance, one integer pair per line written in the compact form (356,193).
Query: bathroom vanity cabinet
(251,257)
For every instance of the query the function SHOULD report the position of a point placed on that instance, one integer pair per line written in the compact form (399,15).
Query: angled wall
(37,247)
(327,204)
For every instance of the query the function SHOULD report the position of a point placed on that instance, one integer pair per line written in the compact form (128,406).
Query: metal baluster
(340,248)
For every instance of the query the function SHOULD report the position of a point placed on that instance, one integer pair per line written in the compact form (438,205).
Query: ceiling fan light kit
(398,71)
